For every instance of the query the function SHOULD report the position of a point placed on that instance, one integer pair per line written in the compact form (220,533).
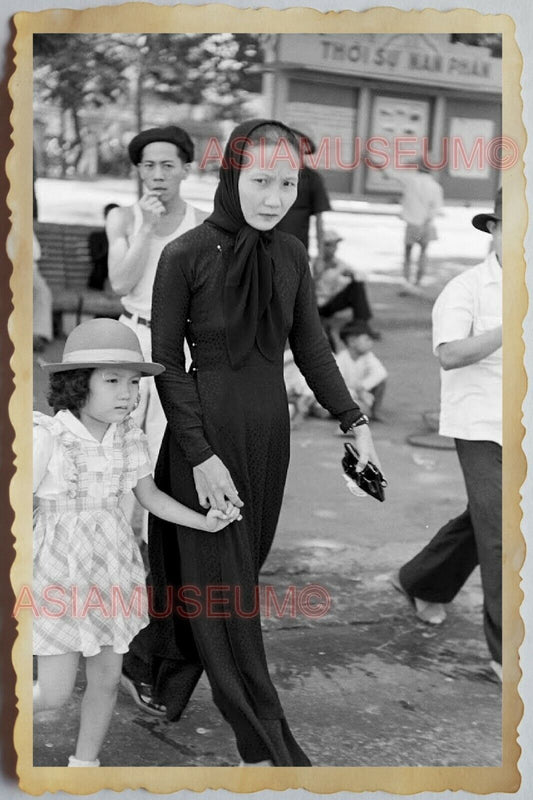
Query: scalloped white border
(148,18)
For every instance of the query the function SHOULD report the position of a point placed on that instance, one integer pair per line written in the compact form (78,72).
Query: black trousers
(438,572)
(352,296)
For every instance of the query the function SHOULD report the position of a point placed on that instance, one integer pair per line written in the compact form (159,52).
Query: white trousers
(150,417)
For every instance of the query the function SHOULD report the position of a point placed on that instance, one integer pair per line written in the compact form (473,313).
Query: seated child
(364,374)
(300,397)
(302,401)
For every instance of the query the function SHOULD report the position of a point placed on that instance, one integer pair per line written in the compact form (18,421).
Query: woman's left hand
(218,520)
(365,447)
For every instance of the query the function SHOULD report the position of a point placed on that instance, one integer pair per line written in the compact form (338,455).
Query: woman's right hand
(214,485)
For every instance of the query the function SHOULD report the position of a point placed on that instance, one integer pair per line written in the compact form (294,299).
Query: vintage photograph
(267,400)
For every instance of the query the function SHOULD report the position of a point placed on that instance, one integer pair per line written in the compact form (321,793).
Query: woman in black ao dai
(235,288)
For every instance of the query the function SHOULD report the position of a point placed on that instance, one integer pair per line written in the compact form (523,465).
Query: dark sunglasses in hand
(370,479)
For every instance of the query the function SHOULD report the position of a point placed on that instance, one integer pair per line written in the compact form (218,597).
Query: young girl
(88,571)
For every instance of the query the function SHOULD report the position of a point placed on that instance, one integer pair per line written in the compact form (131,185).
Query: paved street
(373,232)
(366,684)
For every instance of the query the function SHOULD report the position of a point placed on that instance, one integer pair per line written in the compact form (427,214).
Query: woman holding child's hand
(235,289)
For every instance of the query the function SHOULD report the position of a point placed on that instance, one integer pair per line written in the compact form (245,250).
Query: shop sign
(445,64)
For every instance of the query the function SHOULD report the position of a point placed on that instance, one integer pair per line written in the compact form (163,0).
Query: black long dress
(241,415)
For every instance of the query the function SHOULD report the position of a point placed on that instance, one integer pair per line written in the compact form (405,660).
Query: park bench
(66,264)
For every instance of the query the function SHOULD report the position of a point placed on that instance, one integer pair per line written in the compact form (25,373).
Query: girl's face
(113,393)
(268,184)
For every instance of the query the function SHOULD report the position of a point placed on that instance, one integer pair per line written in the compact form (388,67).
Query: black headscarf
(252,308)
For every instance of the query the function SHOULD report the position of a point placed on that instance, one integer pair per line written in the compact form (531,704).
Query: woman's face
(268,184)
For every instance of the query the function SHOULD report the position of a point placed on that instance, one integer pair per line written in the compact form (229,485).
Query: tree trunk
(77,142)
(62,163)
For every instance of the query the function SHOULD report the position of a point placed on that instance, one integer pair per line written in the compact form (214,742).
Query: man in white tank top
(137,235)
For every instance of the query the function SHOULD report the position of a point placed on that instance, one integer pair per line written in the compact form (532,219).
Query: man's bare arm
(127,260)
(463,352)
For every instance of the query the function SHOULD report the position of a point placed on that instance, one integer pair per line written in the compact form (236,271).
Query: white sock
(76,762)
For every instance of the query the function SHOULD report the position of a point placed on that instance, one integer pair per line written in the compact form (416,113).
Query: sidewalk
(200,188)
(372,232)
(367,684)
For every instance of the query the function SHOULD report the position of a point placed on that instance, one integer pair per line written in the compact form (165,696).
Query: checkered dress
(88,575)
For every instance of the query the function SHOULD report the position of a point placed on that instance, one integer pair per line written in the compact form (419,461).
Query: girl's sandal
(77,762)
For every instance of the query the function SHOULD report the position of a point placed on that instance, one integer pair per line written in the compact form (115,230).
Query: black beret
(171,134)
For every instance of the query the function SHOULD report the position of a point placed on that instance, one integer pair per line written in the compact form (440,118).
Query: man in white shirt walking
(467,339)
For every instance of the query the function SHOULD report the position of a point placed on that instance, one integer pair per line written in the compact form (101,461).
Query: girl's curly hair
(69,390)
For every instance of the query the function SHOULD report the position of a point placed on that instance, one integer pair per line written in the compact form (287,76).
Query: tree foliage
(491,40)
(88,70)
(76,70)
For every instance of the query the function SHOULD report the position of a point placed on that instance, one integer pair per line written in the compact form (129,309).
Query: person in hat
(312,200)
(339,288)
(137,235)
(236,288)
(85,558)
(467,340)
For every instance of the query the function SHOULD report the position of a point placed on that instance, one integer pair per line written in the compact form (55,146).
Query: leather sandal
(141,694)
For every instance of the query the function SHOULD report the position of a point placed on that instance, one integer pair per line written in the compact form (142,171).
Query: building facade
(398,97)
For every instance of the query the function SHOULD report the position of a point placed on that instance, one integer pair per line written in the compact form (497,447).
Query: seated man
(338,287)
